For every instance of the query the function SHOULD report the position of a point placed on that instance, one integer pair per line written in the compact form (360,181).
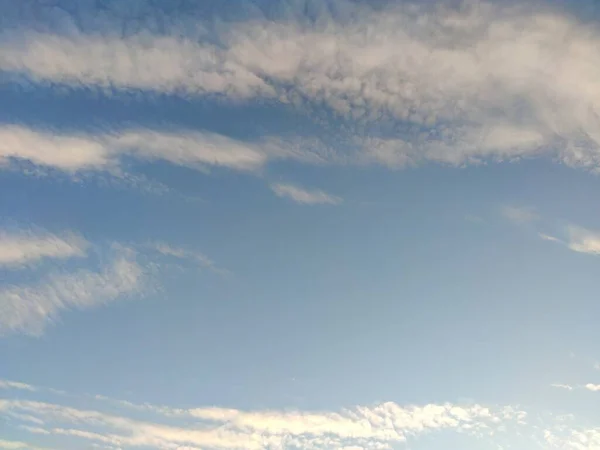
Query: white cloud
(583,240)
(519,215)
(593,387)
(6,384)
(63,152)
(486,82)
(21,248)
(303,196)
(80,152)
(547,237)
(28,309)
(567,387)
(166,64)
(16,445)
(572,437)
(374,427)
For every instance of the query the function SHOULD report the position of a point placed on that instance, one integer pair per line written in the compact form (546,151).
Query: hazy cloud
(22,248)
(304,196)
(378,426)
(519,214)
(583,240)
(29,309)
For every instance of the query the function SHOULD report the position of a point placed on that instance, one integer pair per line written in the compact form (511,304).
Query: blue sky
(299,225)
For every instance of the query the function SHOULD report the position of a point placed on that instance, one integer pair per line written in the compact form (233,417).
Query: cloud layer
(378,426)
(126,425)
(410,84)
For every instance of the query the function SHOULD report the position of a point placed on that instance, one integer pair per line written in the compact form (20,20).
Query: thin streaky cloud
(547,237)
(73,153)
(380,425)
(195,257)
(519,214)
(7,384)
(17,445)
(28,309)
(567,387)
(304,196)
(180,253)
(21,248)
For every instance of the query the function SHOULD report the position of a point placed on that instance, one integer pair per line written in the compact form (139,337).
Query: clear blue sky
(299,225)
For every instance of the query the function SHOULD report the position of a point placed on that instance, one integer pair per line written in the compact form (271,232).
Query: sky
(299,224)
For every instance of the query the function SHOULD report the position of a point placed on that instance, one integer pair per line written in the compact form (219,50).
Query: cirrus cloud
(304,196)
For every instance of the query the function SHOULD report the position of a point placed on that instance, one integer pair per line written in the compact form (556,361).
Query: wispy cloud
(28,309)
(72,153)
(519,214)
(378,426)
(304,196)
(458,75)
(6,384)
(21,248)
(188,255)
(547,237)
(567,387)
(589,387)
(178,252)
(17,445)
(166,64)
(583,240)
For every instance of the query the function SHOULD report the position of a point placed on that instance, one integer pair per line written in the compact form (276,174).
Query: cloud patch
(74,153)
(18,249)
(519,214)
(28,309)
(304,196)
(583,240)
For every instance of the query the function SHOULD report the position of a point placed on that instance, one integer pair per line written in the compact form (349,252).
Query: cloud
(303,196)
(567,387)
(547,237)
(178,252)
(569,435)
(166,64)
(486,82)
(73,153)
(519,215)
(378,426)
(593,387)
(22,248)
(583,240)
(16,445)
(6,384)
(188,255)
(28,309)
